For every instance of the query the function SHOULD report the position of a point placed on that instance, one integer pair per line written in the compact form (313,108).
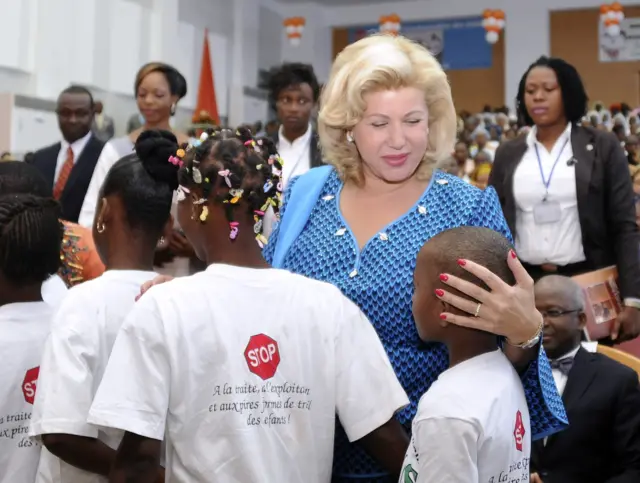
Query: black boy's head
(440,255)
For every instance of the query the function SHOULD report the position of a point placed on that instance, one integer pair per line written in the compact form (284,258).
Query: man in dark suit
(68,165)
(294,91)
(601,397)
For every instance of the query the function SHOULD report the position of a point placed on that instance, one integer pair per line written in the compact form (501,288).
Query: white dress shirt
(77,147)
(297,161)
(559,378)
(296,155)
(559,243)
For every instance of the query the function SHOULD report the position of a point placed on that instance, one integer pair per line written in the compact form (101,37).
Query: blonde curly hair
(377,63)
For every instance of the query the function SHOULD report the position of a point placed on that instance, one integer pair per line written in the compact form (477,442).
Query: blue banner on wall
(459,43)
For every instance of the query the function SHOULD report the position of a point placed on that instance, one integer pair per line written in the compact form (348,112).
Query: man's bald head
(564,287)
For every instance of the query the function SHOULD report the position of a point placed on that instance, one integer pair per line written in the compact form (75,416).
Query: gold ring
(477,310)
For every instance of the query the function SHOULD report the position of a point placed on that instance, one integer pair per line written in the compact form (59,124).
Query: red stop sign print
(262,355)
(29,384)
(518,431)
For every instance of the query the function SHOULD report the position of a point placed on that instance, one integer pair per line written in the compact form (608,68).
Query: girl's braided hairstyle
(236,170)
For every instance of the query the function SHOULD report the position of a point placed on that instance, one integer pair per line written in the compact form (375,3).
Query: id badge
(547,212)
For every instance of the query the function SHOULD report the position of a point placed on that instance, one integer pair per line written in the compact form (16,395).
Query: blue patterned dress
(379,279)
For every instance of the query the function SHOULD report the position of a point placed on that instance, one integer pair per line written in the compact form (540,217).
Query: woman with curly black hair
(565,189)
(243,367)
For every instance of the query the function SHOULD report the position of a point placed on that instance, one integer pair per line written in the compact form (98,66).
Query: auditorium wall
(471,88)
(609,82)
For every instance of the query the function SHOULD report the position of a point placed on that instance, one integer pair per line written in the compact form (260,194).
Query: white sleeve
(66,379)
(107,158)
(135,389)
(368,393)
(447,450)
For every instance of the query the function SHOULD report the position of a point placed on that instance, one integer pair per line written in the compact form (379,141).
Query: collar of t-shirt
(53,290)
(489,358)
(24,311)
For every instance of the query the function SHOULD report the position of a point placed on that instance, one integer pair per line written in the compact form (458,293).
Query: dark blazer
(605,200)
(75,190)
(315,155)
(602,442)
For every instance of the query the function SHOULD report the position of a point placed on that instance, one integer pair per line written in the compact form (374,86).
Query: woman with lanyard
(565,189)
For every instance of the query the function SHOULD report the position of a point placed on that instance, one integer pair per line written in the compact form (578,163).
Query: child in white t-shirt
(472,425)
(133,212)
(30,238)
(243,368)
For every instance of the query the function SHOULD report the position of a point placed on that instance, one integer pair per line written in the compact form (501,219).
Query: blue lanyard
(547,181)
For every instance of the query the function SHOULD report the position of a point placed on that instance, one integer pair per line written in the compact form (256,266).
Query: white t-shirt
(24,328)
(244,370)
(75,356)
(472,426)
(54,290)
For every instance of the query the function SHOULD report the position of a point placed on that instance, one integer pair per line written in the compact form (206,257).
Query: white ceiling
(334,3)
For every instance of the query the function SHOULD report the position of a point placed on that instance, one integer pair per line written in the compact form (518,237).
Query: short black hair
(78,89)
(177,82)
(292,74)
(574,95)
(18,177)
(238,171)
(145,181)
(482,245)
(30,238)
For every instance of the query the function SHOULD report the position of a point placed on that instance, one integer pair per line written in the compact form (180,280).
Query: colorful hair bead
(233,227)
(262,240)
(204,214)
(180,153)
(225,173)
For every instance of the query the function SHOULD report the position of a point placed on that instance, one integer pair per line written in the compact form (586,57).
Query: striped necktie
(63,177)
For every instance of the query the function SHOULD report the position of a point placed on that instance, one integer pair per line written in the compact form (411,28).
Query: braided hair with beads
(30,238)
(236,170)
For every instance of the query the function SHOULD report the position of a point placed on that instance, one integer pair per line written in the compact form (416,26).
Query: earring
(173,109)
(161,241)
(100,227)
(349,137)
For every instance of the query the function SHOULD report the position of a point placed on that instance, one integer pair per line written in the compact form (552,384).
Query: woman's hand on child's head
(156,281)
(506,310)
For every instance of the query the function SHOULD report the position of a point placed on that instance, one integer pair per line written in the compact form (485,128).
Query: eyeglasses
(556,313)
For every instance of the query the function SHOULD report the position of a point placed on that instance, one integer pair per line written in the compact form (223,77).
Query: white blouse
(560,242)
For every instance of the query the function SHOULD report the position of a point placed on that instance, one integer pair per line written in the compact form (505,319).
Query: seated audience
(472,425)
(601,396)
(30,237)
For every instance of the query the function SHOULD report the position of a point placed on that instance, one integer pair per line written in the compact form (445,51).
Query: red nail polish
(513,254)
(443,316)
(439,293)
(444,277)
(461,262)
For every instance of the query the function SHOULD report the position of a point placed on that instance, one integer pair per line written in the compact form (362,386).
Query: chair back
(621,356)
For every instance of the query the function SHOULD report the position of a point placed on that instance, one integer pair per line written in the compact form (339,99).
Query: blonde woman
(386,119)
